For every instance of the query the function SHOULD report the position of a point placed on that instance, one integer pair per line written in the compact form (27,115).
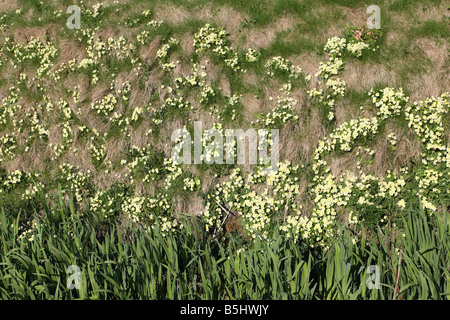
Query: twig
(398,273)
(224,220)
(286,207)
(221,226)
(225,209)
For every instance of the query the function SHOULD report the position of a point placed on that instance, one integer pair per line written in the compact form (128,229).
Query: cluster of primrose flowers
(163,54)
(74,180)
(257,209)
(13,179)
(251,55)
(33,51)
(389,102)
(66,140)
(281,114)
(337,48)
(9,105)
(64,68)
(282,65)
(33,190)
(117,48)
(106,105)
(20,178)
(144,163)
(28,233)
(7,147)
(38,129)
(105,204)
(97,149)
(120,48)
(210,38)
(144,17)
(426,118)
(150,210)
(170,104)
(145,35)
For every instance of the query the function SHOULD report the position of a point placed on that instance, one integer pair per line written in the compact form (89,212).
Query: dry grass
(226,17)
(171,14)
(310,131)
(437,80)
(353,16)
(309,62)
(21,35)
(434,12)
(252,106)
(148,52)
(262,37)
(438,54)
(187,45)
(423,86)
(68,50)
(9,5)
(193,205)
(289,146)
(364,76)
(225,86)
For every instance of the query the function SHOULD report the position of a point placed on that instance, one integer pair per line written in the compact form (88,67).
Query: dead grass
(22,35)
(252,106)
(187,45)
(262,37)
(427,85)
(69,50)
(408,149)
(426,12)
(230,19)
(171,14)
(148,52)
(224,16)
(310,131)
(438,54)
(115,149)
(437,79)
(225,86)
(309,62)
(393,38)
(289,146)
(250,78)
(138,137)
(364,76)
(8,5)
(193,205)
(353,16)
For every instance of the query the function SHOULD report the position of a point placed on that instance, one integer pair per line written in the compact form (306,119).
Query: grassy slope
(413,55)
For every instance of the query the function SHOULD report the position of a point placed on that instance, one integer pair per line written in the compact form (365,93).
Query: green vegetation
(87,124)
(188,264)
